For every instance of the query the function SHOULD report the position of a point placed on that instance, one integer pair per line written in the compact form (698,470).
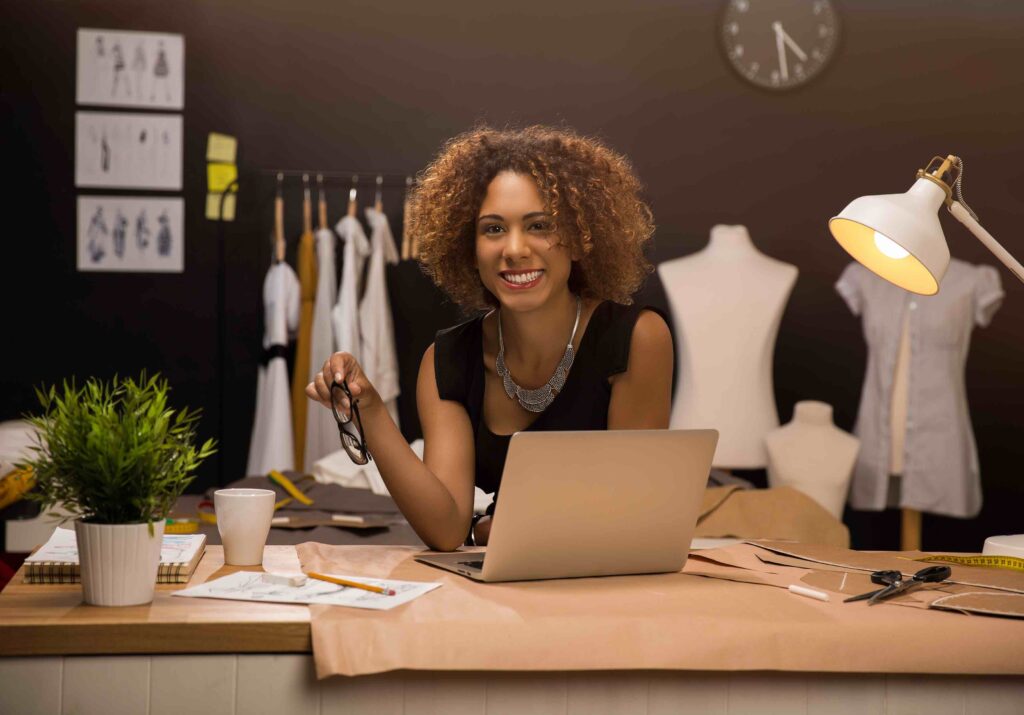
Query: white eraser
(285,579)
(809,592)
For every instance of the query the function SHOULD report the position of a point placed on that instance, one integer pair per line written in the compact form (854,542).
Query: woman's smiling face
(518,254)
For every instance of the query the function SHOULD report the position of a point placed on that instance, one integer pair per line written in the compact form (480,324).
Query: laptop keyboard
(473,564)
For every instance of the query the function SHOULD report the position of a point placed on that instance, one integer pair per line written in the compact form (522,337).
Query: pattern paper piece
(120,233)
(131,69)
(128,151)
(250,586)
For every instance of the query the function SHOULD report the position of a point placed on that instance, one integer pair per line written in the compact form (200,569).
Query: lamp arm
(963,216)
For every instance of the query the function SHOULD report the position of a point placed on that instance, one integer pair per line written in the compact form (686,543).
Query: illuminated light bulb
(889,247)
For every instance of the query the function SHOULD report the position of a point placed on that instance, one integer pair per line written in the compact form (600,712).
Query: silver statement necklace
(537,400)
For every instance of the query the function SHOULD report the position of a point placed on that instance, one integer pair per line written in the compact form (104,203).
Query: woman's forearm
(423,499)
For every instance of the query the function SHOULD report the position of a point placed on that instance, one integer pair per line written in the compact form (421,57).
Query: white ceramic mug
(243,520)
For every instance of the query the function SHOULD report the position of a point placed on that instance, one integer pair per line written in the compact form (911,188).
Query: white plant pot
(118,562)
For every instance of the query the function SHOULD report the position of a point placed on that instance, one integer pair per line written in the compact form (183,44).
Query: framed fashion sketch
(128,151)
(131,234)
(118,68)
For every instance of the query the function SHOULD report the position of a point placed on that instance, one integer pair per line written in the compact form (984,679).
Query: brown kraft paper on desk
(987,602)
(783,513)
(748,563)
(657,622)
(999,579)
(1005,596)
(713,498)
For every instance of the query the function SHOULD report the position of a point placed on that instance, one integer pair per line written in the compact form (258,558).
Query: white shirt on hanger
(379,361)
(321,429)
(271,446)
(345,316)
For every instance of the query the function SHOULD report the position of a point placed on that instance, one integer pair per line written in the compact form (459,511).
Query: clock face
(779,44)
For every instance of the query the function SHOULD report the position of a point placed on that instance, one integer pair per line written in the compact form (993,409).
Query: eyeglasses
(350,428)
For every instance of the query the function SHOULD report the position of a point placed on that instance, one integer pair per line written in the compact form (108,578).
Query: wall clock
(779,44)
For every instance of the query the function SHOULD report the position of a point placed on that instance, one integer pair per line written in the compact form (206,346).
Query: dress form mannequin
(727,301)
(813,455)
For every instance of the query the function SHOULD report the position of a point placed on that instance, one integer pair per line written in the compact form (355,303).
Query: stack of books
(57,560)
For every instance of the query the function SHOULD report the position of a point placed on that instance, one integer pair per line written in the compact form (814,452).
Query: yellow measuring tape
(285,483)
(1014,563)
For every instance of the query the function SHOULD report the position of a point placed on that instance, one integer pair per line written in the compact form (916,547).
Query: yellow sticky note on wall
(221,147)
(220,176)
(213,206)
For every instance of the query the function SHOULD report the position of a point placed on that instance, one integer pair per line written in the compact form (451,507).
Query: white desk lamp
(898,236)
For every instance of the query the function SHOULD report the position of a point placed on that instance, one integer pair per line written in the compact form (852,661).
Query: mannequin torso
(813,455)
(727,301)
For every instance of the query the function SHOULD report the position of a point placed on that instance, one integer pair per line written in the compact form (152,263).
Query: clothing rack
(322,178)
(344,178)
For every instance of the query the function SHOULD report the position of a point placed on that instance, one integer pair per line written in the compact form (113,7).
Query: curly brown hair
(590,190)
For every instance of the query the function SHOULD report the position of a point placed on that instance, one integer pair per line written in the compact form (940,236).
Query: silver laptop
(592,504)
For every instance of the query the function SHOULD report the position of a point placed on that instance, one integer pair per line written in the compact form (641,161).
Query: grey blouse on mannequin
(940,466)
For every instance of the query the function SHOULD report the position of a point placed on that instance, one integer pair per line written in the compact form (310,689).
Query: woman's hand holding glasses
(343,388)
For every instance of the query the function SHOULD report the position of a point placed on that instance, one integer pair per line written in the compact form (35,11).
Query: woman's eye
(492,229)
(540,226)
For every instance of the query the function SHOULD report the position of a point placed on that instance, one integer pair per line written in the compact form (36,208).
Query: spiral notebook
(57,560)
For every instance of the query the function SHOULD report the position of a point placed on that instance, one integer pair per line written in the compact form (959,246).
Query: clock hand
(792,45)
(783,68)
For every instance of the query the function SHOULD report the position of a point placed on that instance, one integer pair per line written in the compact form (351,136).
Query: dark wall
(379,86)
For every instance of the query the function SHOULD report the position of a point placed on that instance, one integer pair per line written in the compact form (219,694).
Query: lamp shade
(897,236)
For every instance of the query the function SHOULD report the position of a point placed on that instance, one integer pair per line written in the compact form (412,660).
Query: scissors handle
(886,578)
(931,574)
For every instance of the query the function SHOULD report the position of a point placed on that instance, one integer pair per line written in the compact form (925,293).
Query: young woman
(544,230)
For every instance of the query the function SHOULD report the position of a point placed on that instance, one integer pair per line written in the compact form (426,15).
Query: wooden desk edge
(154,638)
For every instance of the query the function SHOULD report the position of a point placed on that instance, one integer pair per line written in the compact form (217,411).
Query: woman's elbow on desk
(442,544)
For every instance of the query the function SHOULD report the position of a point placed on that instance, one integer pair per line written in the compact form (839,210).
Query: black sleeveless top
(581,405)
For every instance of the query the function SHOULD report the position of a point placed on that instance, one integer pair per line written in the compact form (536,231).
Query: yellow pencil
(353,584)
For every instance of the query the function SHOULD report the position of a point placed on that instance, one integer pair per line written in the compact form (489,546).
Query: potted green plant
(118,457)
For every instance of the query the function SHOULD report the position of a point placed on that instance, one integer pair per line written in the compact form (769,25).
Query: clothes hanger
(321,203)
(307,206)
(378,205)
(352,196)
(279,245)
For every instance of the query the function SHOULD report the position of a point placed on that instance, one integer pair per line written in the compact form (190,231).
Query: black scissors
(892,583)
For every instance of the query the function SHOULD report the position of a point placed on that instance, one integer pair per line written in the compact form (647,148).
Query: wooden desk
(211,657)
(37,619)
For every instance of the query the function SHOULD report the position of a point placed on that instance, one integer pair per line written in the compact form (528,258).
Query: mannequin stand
(910,530)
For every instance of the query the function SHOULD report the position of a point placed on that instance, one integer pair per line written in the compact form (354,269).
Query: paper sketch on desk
(131,151)
(130,69)
(132,234)
(250,586)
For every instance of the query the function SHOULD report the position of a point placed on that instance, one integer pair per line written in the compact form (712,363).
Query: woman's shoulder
(456,349)
(616,321)
(616,326)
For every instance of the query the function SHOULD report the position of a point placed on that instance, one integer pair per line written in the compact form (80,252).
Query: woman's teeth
(522,278)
